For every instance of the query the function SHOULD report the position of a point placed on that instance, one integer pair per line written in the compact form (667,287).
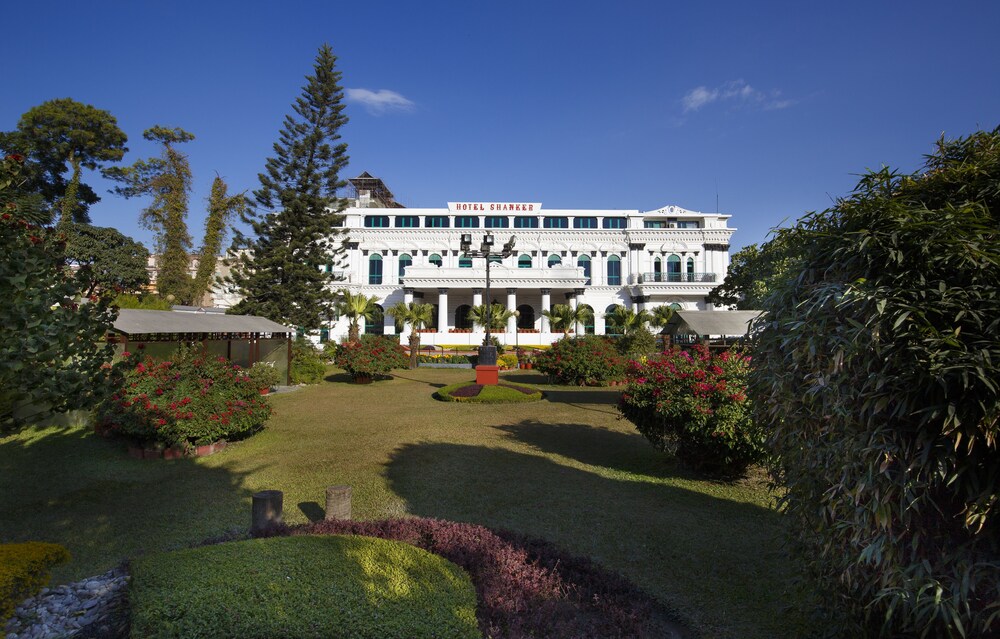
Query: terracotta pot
(202,451)
(174,452)
(265,391)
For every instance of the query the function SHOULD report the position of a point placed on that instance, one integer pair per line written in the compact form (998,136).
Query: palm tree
(499,315)
(626,320)
(355,306)
(661,318)
(417,315)
(564,317)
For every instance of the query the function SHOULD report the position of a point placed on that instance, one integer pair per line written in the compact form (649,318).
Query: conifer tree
(279,271)
(221,207)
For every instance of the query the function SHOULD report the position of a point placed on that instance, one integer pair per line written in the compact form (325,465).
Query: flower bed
(189,401)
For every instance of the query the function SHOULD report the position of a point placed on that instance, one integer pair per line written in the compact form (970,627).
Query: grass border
(501,393)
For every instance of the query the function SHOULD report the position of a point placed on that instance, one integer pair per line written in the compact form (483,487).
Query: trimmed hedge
(502,393)
(303,586)
(526,587)
(24,570)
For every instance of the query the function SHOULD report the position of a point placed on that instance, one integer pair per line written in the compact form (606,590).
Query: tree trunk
(352,331)
(414,348)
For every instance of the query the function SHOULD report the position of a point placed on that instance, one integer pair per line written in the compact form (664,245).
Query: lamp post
(487,352)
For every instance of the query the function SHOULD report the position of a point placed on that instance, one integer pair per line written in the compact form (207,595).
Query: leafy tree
(563,317)
(499,315)
(221,209)
(753,272)
(106,258)
(61,135)
(168,180)
(660,318)
(51,345)
(355,307)
(875,374)
(280,273)
(625,320)
(417,315)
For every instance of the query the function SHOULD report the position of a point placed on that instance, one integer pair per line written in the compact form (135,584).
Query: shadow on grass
(342,378)
(312,510)
(598,447)
(706,557)
(71,487)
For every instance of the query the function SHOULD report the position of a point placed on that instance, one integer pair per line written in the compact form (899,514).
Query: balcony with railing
(668,277)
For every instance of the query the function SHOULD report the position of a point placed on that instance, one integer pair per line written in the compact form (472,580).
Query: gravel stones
(93,607)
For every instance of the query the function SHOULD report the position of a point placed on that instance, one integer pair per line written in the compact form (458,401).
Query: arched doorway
(526,319)
(462,316)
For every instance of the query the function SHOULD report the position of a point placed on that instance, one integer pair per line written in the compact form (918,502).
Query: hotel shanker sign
(495,207)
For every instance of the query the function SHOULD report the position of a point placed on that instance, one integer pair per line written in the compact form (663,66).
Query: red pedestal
(487,375)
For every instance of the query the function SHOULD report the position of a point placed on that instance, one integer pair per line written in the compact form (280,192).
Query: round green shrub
(584,360)
(304,586)
(307,363)
(372,356)
(877,374)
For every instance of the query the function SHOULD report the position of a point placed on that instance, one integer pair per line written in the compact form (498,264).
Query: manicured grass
(565,469)
(297,587)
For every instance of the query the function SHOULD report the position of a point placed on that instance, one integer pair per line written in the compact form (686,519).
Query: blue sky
(769,108)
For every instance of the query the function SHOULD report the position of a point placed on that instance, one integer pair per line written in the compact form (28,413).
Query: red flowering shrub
(584,360)
(190,400)
(695,405)
(525,587)
(372,355)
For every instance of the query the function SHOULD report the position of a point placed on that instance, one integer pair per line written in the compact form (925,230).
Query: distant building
(216,297)
(599,258)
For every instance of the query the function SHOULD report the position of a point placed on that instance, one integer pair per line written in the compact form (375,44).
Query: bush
(24,570)
(876,371)
(307,364)
(525,587)
(694,404)
(585,360)
(636,344)
(146,302)
(190,400)
(372,356)
(303,586)
(264,375)
(507,361)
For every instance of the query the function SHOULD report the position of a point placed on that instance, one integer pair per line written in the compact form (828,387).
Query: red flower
(17,157)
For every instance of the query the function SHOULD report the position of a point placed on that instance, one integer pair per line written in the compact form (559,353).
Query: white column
(512,306)
(546,306)
(408,295)
(571,300)
(477,297)
(442,310)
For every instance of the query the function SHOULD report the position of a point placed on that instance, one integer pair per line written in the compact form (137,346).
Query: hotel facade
(599,258)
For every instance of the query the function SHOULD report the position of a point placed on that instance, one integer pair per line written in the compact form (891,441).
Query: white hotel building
(642,259)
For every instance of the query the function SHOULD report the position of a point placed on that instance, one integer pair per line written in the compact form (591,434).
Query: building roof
(141,322)
(727,323)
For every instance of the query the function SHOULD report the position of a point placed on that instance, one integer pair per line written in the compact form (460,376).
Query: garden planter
(174,452)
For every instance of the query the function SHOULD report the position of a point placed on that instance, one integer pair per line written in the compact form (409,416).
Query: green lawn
(565,469)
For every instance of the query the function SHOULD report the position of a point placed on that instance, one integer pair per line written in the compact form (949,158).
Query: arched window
(462,316)
(404,261)
(610,328)
(657,270)
(614,270)
(465,262)
(375,269)
(690,269)
(435,259)
(376,324)
(673,269)
(524,261)
(554,260)
(526,319)
(588,326)
(584,262)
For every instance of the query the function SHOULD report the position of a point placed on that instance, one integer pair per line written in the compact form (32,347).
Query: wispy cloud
(379,102)
(736,92)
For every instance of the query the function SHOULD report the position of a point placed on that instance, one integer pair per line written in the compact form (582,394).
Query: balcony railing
(676,277)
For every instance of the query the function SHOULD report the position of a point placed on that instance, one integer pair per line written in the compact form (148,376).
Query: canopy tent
(712,324)
(242,339)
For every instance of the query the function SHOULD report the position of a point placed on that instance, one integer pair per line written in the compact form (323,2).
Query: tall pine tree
(279,272)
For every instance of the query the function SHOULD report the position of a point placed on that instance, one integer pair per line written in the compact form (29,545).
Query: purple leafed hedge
(472,390)
(525,587)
